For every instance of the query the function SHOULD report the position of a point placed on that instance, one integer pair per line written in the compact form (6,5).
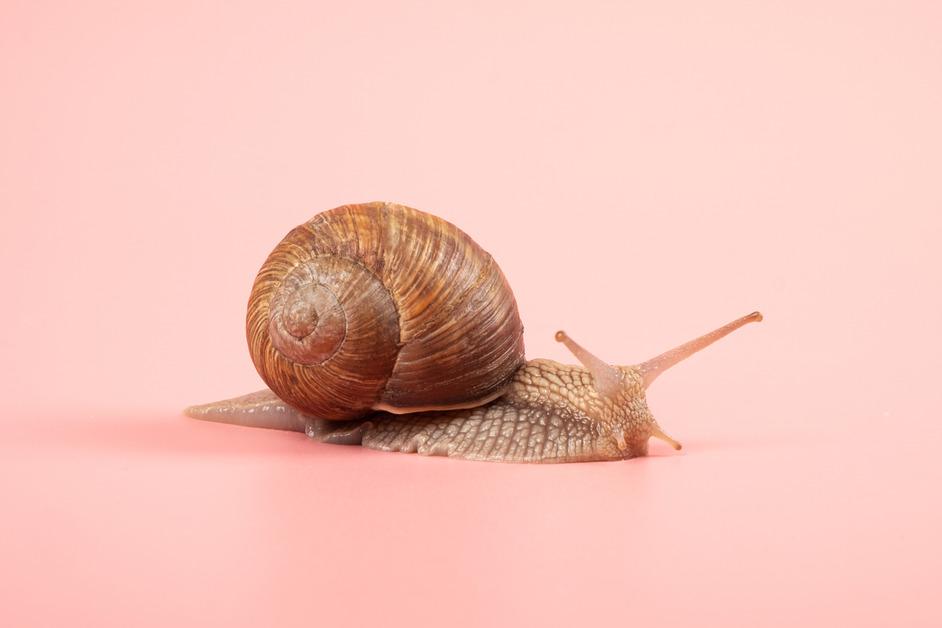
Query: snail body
(381,325)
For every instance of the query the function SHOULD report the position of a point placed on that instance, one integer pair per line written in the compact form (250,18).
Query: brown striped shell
(381,306)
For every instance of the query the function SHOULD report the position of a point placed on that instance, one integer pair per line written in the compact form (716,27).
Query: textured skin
(381,305)
(550,413)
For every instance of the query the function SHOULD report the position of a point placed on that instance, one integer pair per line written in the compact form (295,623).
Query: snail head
(621,390)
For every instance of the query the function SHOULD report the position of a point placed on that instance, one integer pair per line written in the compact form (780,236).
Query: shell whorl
(307,323)
(382,306)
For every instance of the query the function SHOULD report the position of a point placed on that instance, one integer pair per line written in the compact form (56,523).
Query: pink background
(642,171)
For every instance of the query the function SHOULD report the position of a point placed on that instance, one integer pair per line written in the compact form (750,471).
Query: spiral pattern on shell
(381,306)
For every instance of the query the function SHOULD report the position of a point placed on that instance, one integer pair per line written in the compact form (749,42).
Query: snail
(381,325)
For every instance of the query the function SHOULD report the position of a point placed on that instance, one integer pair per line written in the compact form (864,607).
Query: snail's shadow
(173,434)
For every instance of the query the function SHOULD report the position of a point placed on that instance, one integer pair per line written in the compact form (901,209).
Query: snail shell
(381,306)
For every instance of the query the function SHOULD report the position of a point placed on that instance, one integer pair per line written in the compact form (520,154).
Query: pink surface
(642,172)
